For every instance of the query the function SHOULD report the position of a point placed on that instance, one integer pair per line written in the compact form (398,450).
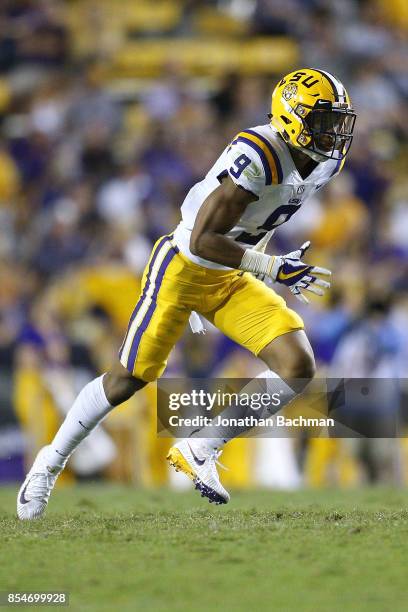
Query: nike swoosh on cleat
(23,499)
(196,459)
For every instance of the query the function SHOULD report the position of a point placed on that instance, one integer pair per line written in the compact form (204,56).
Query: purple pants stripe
(146,287)
(150,311)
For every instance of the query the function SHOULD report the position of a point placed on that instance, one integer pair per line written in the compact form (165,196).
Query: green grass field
(117,548)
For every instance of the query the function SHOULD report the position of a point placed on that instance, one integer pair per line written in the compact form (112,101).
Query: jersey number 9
(241,163)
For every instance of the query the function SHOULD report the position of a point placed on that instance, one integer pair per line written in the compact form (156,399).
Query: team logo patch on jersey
(289,91)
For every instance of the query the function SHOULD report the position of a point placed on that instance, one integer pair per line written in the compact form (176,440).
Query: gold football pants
(239,305)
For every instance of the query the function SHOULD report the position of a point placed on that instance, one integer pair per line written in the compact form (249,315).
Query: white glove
(289,270)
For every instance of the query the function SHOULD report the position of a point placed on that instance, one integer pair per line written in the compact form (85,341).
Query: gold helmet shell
(312,111)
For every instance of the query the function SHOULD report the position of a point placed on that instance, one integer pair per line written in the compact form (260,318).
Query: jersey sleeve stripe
(270,153)
(261,153)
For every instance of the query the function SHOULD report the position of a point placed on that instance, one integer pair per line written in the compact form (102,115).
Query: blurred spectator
(120,199)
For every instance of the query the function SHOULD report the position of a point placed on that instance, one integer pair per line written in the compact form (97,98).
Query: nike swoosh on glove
(289,270)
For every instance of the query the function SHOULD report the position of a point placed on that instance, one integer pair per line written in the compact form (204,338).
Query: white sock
(266,382)
(88,410)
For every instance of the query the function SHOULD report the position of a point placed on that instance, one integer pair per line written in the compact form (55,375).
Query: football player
(209,264)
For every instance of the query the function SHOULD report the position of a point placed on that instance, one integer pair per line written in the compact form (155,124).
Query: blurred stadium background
(110,110)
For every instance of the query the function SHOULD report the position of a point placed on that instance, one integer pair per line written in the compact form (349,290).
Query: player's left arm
(219,213)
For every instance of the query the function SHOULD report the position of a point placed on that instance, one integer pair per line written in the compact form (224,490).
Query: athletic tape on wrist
(256,263)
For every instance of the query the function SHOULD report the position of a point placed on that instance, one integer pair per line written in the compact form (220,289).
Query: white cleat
(33,496)
(199,464)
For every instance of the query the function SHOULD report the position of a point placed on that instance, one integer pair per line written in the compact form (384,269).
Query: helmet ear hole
(285,119)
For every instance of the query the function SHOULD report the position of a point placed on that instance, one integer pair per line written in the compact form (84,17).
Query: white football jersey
(258,160)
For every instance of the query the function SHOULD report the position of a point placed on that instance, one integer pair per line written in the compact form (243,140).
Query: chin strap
(317,157)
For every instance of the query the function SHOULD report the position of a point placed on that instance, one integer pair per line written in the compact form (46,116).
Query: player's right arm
(244,179)
(219,213)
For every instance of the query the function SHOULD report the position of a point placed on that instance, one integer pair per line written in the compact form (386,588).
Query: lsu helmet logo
(289,91)
(312,111)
